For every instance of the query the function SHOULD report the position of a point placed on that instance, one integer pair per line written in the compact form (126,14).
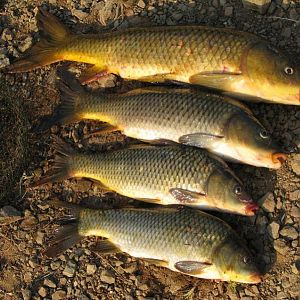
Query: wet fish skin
(164,175)
(232,61)
(185,240)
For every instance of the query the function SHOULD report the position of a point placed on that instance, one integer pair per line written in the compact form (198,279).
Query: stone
(9,211)
(59,295)
(28,223)
(268,202)
(49,283)
(7,35)
(91,269)
(295,163)
(281,247)
(39,237)
(289,232)
(228,11)
(4,62)
(42,292)
(107,277)
(261,223)
(26,294)
(177,16)
(141,4)
(295,212)
(79,14)
(286,32)
(9,214)
(130,268)
(25,44)
(54,265)
(273,229)
(70,269)
(295,195)
(258,5)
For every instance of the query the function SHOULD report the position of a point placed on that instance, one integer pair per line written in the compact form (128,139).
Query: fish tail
(71,93)
(61,168)
(67,235)
(47,51)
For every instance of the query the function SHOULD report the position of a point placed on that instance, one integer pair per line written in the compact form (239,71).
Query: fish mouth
(278,159)
(251,209)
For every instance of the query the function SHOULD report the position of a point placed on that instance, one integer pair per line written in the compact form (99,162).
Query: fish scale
(220,58)
(165,50)
(162,235)
(148,172)
(183,240)
(169,115)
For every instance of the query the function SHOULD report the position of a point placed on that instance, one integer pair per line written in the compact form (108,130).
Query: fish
(163,175)
(184,240)
(235,62)
(219,124)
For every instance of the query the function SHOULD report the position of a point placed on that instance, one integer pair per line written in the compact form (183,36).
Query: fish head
(228,193)
(251,143)
(235,262)
(271,75)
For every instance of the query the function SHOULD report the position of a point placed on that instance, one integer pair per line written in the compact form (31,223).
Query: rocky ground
(27,222)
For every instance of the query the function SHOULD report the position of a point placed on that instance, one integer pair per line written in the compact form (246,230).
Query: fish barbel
(236,62)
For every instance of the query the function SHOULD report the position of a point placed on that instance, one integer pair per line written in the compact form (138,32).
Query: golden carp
(163,175)
(236,62)
(183,240)
(219,124)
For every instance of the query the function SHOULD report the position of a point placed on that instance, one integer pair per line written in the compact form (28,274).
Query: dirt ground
(79,273)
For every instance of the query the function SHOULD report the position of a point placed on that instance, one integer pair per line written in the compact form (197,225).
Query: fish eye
(238,189)
(246,260)
(288,70)
(264,134)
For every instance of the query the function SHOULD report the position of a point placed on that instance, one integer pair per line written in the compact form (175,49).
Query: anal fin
(157,262)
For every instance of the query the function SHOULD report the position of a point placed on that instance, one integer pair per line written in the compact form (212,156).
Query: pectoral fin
(202,140)
(217,80)
(93,73)
(157,262)
(185,196)
(191,267)
(106,247)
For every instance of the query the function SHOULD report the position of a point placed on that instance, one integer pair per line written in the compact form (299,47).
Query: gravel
(80,273)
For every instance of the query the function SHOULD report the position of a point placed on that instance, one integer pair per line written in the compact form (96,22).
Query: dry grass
(13,127)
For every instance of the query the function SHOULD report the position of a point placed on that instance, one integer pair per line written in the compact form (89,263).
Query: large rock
(289,232)
(258,5)
(295,163)
(107,277)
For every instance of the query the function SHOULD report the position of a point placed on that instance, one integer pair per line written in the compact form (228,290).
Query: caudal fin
(71,93)
(46,51)
(66,236)
(61,168)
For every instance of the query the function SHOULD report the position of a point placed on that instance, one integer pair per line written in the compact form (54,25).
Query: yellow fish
(235,62)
